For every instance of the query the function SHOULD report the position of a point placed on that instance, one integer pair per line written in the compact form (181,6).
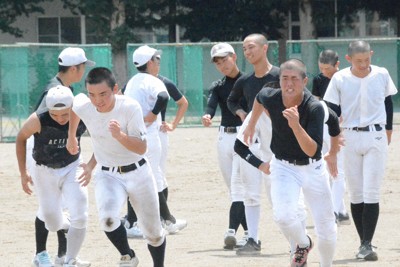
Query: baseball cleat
(134,231)
(251,248)
(59,262)
(301,255)
(240,243)
(366,252)
(230,239)
(173,228)
(342,218)
(128,261)
(42,259)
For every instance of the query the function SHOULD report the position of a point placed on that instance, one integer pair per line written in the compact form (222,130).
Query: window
(60,30)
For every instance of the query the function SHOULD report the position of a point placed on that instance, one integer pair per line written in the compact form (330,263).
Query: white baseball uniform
(144,88)
(112,186)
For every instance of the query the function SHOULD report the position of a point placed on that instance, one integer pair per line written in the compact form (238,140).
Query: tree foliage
(10,11)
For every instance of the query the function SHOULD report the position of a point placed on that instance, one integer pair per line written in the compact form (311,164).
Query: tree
(10,11)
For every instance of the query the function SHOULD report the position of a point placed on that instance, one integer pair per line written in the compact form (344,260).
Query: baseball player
(328,63)
(363,92)
(118,135)
(57,175)
(224,58)
(133,229)
(152,95)
(255,47)
(297,120)
(72,63)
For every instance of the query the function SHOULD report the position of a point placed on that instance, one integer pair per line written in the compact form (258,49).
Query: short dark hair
(294,64)
(99,75)
(328,57)
(356,47)
(64,69)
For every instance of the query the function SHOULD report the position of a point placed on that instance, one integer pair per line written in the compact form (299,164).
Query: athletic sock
(164,210)
(370,219)
(75,240)
(158,254)
(236,214)
(131,216)
(357,211)
(165,192)
(62,243)
(253,219)
(41,234)
(120,241)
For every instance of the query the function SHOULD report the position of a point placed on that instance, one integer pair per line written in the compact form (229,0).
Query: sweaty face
(226,65)
(102,96)
(292,84)
(360,63)
(327,69)
(253,51)
(60,116)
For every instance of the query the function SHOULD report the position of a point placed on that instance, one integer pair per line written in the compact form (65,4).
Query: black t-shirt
(284,143)
(218,95)
(173,92)
(320,83)
(247,87)
(50,144)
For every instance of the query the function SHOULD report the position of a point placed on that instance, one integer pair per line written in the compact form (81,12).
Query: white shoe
(173,228)
(42,259)
(134,231)
(243,241)
(230,239)
(59,262)
(127,261)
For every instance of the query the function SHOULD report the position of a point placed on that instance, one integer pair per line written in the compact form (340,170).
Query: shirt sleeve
(332,92)
(235,96)
(212,101)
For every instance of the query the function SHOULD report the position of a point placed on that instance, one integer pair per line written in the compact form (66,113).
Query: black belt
(299,162)
(230,129)
(375,127)
(127,168)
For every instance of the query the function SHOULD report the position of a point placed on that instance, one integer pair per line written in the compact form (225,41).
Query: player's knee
(327,230)
(371,197)
(285,217)
(252,199)
(109,224)
(53,221)
(80,222)
(155,241)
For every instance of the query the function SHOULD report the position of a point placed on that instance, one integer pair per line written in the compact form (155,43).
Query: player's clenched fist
(206,120)
(72,145)
(115,129)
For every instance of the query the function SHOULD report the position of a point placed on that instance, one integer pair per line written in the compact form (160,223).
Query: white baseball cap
(72,56)
(221,50)
(59,97)
(143,54)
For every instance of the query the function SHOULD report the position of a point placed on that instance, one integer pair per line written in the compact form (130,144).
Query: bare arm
(72,142)
(31,126)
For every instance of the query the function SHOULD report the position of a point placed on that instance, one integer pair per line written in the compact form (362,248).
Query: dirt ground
(198,194)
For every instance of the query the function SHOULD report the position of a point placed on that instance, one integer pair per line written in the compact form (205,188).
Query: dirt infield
(198,194)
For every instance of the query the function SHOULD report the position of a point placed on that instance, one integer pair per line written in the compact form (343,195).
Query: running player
(363,92)
(255,48)
(118,135)
(328,63)
(224,58)
(57,175)
(72,63)
(152,95)
(297,132)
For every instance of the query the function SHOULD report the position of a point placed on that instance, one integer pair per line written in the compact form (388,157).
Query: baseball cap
(72,56)
(221,50)
(143,54)
(59,97)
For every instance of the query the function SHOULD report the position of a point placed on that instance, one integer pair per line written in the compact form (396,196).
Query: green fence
(188,65)
(25,69)
(386,54)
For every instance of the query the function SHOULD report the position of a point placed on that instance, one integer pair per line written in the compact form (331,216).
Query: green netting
(386,54)
(25,70)
(189,66)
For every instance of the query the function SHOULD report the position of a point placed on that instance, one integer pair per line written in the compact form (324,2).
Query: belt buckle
(120,170)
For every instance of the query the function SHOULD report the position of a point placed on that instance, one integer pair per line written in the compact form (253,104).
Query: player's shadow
(347,261)
(222,253)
